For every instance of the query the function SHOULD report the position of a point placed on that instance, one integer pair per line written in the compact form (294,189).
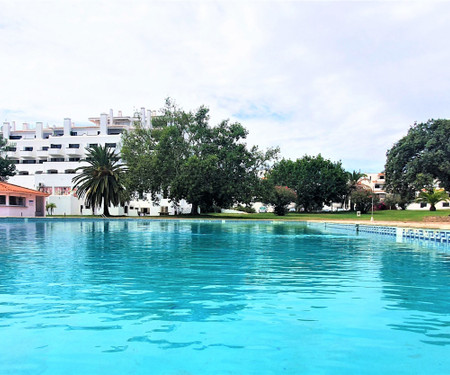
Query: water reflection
(417,280)
(139,271)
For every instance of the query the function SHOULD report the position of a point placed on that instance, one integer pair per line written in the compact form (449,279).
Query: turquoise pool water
(174,297)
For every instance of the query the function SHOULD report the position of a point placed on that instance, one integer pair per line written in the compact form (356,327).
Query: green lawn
(399,215)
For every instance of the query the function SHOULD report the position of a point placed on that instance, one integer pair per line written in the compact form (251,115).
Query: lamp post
(371,218)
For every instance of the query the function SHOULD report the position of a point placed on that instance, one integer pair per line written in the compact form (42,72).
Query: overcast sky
(344,79)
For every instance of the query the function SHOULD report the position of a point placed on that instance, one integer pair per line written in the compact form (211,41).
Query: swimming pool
(186,297)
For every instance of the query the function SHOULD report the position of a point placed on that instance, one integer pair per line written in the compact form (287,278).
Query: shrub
(380,206)
(391,201)
(247,209)
(363,200)
(282,196)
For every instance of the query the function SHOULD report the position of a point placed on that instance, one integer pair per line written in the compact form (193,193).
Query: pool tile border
(430,235)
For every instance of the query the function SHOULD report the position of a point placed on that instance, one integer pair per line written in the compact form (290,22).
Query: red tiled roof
(10,188)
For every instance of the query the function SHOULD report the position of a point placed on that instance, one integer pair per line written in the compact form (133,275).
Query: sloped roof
(10,188)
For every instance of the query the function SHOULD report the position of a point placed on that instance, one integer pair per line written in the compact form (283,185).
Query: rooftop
(6,187)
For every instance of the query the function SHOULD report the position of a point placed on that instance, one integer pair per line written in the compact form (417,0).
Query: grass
(387,215)
(399,215)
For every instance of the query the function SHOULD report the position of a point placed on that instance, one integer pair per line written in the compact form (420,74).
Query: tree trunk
(432,207)
(194,209)
(105,207)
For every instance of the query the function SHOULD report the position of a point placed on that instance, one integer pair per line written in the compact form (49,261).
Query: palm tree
(352,185)
(50,207)
(100,181)
(432,197)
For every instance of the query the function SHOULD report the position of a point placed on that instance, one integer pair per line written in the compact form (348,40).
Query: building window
(115,131)
(44,148)
(381,177)
(10,148)
(93,144)
(445,204)
(377,186)
(54,146)
(23,173)
(52,171)
(15,137)
(73,133)
(57,159)
(423,205)
(2,199)
(70,171)
(41,161)
(28,148)
(14,161)
(16,201)
(74,159)
(31,161)
(112,145)
(72,145)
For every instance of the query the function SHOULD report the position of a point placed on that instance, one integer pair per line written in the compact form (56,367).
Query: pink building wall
(29,210)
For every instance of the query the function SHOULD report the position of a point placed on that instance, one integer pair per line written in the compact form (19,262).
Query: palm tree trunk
(105,207)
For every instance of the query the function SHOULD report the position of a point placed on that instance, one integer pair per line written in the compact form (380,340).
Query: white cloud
(344,79)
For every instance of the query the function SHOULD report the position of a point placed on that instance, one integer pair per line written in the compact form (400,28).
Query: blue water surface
(186,297)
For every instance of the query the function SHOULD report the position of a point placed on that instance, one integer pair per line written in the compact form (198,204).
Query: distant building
(17,201)
(46,158)
(377,181)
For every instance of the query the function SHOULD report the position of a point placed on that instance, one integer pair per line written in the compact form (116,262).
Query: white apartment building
(376,182)
(46,158)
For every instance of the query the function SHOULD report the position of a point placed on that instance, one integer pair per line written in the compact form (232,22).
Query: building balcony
(42,154)
(13,155)
(53,152)
(27,154)
(74,152)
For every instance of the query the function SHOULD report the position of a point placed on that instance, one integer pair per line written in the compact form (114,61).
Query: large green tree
(419,158)
(101,180)
(7,168)
(316,180)
(183,157)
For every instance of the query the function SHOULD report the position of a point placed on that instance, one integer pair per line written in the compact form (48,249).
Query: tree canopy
(317,181)
(7,168)
(419,158)
(183,157)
